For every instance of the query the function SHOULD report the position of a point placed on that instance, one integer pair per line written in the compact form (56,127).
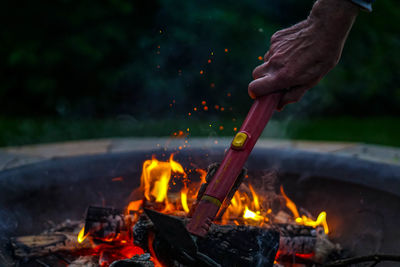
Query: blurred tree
(98,59)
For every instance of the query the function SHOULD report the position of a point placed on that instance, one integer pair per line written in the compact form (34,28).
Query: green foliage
(101,58)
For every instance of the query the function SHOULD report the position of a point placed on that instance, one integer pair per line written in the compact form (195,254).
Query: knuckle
(275,36)
(254,73)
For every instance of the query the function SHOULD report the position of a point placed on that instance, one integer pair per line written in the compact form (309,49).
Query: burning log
(305,244)
(229,245)
(103,222)
(233,243)
(37,245)
(61,238)
(296,239)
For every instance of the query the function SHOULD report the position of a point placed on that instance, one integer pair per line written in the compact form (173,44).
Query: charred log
(296,239)
(103,222)
(232,245)
(228,245)
(135,261)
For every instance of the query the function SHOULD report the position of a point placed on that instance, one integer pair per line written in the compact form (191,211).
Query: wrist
(334,16)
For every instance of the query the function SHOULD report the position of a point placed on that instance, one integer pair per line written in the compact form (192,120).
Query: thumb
(267,84)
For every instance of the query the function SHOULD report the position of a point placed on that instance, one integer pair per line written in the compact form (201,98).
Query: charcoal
(141,231)
(136,261)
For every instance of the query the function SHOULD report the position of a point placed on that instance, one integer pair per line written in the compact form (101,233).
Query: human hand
(301,55)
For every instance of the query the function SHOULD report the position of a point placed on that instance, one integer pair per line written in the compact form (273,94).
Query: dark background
(90,69)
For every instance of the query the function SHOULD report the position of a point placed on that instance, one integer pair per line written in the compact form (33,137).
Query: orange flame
(290,204)
(304,220)
(134,205)
(255,198)
(203,175)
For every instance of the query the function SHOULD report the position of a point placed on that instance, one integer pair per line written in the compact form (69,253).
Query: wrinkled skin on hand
(301,55)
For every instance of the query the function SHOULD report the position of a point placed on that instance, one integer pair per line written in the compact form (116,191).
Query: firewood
(104,222)
(44,244)
(229,245)
(37,245)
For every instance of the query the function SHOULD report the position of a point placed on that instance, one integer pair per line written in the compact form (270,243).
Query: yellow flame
(175,166)
(249,214)
(321,220)
(304,220)
(155,177)
(81,235)
(184,200)
(239,207)
(255,198)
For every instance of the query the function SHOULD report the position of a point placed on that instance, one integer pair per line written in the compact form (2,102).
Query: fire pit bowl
(361,198)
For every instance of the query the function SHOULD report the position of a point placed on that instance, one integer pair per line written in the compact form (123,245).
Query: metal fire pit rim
(378,176)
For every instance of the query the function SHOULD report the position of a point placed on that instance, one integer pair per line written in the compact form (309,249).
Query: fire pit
(360,198)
